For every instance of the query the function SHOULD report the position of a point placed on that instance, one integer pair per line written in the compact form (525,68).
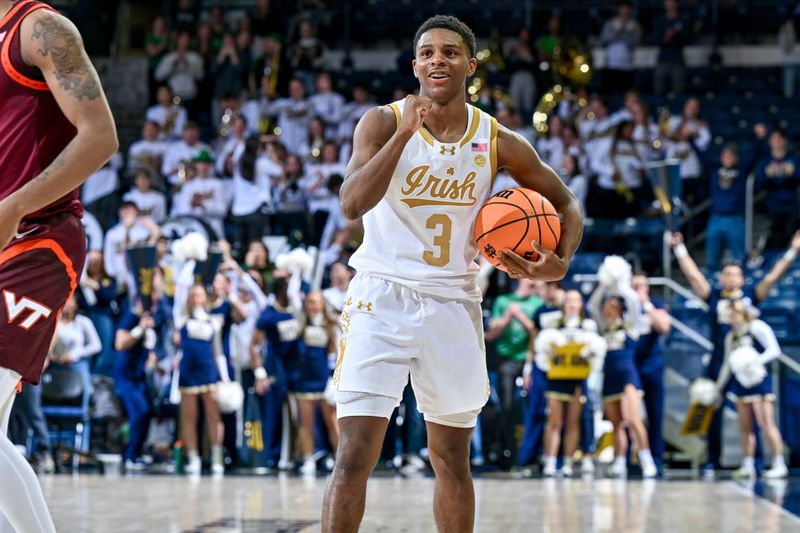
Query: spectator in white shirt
(75,342)
(620,36)
(311,151)
(233,146)
(327,104)
(204,195)
(646,133)
(148,152)
(100,192)
(551,146)
(621,183)
(294,114)
(150,203)
(353,111)
(696,127)
(182,70)
(290,200)
(316,187)
(180,153)
(129,231)
(570,173)
(170,117)
(252,192)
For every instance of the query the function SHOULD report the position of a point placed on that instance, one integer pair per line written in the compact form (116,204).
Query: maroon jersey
(33,130)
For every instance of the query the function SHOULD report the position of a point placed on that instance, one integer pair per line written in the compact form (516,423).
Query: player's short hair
(451,23)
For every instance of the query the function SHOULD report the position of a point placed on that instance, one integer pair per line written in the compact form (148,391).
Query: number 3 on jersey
(441,240)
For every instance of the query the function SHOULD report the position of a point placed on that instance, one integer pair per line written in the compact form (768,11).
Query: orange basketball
(512,219)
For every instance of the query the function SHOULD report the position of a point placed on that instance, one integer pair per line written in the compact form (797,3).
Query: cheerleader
(749,348)
(318,340)
(199,375)
(621,383)
(566,395)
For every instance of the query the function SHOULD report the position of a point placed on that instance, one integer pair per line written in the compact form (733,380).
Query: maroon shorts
(39,271)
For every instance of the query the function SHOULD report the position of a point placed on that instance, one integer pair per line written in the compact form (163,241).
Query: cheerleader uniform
(719,303)
(198,366)
(314,369)
(567,389)
(760,337)
(619,368)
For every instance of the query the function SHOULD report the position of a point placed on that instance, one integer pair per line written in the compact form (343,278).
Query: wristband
(790,255)
(233,298)
(260,373)
(648,306)
(137,332)
(527,369)
(681,251)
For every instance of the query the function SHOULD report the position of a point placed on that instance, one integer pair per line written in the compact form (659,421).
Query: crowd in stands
(248,135)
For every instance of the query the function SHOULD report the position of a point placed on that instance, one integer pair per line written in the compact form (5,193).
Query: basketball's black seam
(527,228)
(502,203)
(504,224)
(555,239)
(539,224)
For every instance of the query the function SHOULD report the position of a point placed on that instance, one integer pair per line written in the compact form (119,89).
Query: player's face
(442,64)
(732,278)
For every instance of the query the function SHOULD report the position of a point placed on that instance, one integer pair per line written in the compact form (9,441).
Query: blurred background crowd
(237,121)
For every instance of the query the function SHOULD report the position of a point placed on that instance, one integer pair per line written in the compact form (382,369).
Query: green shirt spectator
(511,322)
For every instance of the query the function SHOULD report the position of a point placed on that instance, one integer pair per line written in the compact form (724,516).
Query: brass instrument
(489,59)
(571,68)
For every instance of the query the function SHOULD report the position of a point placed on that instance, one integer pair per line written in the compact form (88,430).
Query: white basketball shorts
(391,331)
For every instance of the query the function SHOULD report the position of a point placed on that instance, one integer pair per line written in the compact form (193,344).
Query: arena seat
(65,404)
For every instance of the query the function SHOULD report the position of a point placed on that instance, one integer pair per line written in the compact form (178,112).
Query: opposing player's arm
(519,158)
(51,43)
(378,143)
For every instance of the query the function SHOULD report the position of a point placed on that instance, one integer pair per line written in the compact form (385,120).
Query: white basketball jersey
(421,233)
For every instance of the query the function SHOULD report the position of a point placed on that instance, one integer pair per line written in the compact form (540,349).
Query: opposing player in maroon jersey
(55,130)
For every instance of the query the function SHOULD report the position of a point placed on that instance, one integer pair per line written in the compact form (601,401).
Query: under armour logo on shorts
(364,306)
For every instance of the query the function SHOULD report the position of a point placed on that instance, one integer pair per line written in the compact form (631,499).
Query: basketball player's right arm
(378,143)
(51,43)
(697,280)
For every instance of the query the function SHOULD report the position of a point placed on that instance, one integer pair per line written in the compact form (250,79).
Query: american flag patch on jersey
(480,146)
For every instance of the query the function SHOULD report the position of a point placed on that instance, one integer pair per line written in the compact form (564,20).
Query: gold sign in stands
(567,362)
(698,418)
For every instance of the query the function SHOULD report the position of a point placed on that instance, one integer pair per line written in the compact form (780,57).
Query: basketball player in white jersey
(420,171)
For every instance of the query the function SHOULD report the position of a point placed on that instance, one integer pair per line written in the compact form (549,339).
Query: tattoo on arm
(54,167)
(62,45)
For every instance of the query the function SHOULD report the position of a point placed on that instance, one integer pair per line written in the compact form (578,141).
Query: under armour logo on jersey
(362,306)
(448,150)
(16,307)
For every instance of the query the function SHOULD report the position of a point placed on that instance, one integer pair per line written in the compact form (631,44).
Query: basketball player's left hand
(548,267)
(9,223)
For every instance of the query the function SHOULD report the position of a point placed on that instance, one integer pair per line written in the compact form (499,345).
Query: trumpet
(571,68)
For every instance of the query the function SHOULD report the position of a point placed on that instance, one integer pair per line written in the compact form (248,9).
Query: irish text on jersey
(424,188)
